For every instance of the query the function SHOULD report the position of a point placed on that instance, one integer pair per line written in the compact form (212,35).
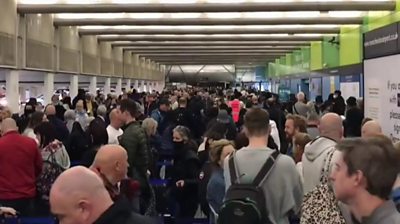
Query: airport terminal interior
(200,111)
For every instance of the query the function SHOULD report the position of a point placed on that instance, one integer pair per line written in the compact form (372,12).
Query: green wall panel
(330,54)
(350,49)
(316,55)
(305,58)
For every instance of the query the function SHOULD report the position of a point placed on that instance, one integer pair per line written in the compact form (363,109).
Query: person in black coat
(60,127)
(339,106)
(78,143)
(81,96)
(354,118)
(98,137)
(185,171)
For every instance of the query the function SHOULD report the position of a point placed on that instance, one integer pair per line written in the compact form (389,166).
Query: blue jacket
(216,190)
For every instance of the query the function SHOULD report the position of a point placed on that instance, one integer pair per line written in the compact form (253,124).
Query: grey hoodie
(282,188)
(313,159)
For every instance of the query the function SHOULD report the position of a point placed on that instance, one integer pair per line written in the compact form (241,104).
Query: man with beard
(294,124)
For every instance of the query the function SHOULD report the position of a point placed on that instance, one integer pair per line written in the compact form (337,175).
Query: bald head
(370,129)
(50,110)
(115,119)
(111,161)
(114,114)
(331,126)
(301,96)
(75,190)
(8,125)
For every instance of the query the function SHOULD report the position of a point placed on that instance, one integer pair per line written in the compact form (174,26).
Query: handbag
(51,170)
(320,205)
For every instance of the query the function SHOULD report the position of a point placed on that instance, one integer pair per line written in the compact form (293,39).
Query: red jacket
(20,165)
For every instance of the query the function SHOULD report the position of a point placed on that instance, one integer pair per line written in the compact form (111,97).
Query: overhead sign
(382,42)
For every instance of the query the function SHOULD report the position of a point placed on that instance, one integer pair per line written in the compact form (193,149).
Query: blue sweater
(216,190)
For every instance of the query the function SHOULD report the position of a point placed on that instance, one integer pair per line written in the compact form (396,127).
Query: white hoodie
(313,159)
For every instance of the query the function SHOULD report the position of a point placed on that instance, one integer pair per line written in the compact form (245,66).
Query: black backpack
(245,203)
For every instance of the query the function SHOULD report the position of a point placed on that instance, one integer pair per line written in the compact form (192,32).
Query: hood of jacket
(315,148)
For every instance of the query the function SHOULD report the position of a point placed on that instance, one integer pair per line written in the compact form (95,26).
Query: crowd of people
(96,159)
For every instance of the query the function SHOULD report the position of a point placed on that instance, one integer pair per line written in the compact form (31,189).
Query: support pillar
(157,86)
(118,88)
(128,85)
(23,95)
(73,86)
(93,85)
(136,85)
(48,87)
(107,87)
(143,86)
(12,90)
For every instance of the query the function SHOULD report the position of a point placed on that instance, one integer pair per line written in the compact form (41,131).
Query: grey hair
(69,115)
(149,125)
(102,111)
(184,132)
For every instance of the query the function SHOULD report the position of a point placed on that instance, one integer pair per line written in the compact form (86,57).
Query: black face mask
(178,146)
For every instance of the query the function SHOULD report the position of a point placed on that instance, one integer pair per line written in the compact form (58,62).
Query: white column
(12,90)
(48,87)
(107,86)
(136,85)
(93,85)
(118,88)
(143,87)
(22,93)
(128,85)
(157,86)
(73,86)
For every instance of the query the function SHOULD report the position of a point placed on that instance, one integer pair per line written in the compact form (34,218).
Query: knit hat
(223,117)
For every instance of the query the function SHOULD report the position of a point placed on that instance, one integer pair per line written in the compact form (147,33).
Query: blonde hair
(216,149)
(302,139)
(150,126)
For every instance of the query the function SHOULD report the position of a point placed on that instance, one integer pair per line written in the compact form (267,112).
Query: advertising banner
(382,93)
(350,86)
(382,42)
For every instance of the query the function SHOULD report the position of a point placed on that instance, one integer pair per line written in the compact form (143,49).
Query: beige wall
(118,54)
(106,50)
(69,37)
(89,45)
(8,16)
(40,27)
(128,57)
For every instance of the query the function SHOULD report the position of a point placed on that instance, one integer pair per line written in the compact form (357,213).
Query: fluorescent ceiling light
(346,13)
(206,27)
(164,1)
(230,15)
(213,35)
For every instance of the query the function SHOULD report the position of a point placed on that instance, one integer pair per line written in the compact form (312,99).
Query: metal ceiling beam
(322,30)
(141,52)
(212,48)
(215,44)
(208,38)
(209,7)
(207,21)
(147,55)
(215,63)
(214,58)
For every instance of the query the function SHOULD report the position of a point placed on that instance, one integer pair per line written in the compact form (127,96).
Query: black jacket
(186,167)
(61,129)
(352,124)
(120,213)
